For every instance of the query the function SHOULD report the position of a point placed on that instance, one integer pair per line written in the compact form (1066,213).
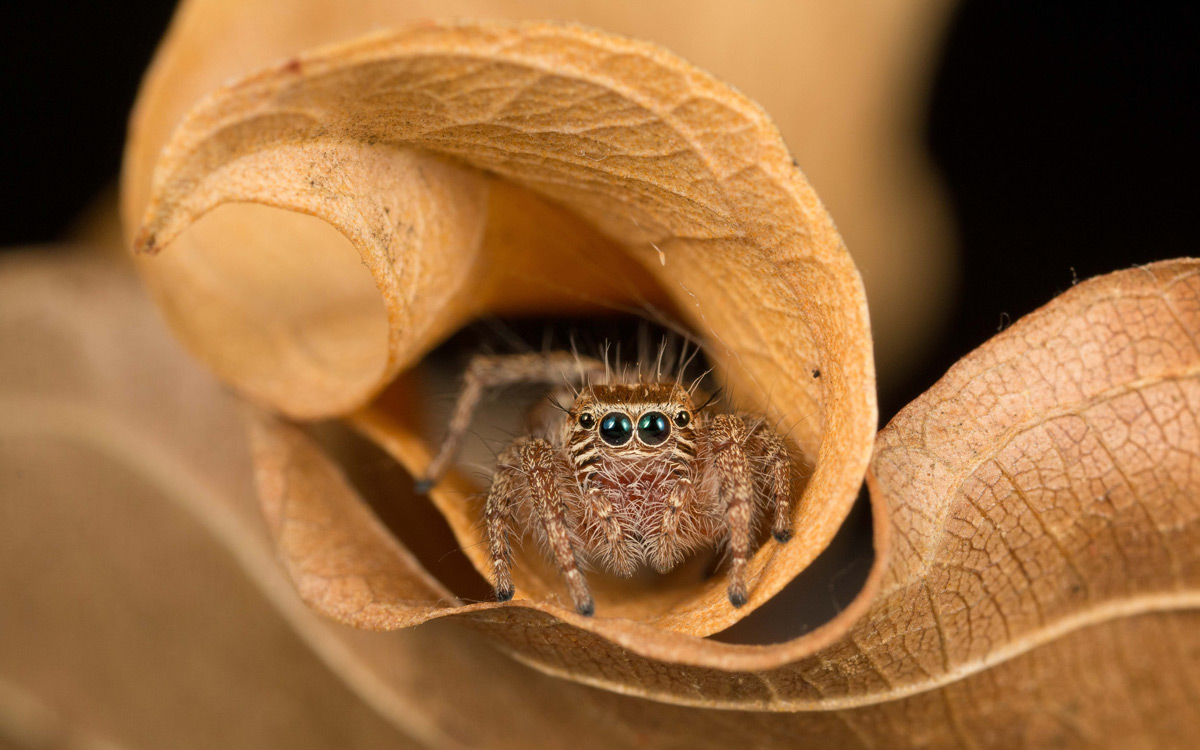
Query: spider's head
(637,420)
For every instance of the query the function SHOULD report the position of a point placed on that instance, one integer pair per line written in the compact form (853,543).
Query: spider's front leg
(529,464)
(491,371)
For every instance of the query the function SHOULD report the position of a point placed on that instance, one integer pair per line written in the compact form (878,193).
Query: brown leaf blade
(1049,481)
(689,178)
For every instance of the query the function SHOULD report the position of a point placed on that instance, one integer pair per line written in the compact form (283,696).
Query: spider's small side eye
(587,421)
(682,419)
(616,428)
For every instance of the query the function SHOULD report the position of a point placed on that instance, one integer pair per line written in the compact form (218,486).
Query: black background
(1066,134)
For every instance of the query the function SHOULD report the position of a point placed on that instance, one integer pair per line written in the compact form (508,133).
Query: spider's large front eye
(616,428)
(653,428)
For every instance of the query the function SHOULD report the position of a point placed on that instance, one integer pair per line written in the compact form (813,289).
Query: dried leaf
(1035,511)
(688,176)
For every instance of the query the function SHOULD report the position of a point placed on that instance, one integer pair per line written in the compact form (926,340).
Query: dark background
(1066,134)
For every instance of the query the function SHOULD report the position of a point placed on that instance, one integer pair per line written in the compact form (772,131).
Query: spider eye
(683,419)
(587,421)
(653,428)
(616,429)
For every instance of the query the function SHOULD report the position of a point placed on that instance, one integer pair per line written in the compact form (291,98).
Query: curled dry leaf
(697,202)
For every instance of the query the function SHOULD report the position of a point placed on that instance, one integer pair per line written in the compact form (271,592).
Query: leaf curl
(688,178)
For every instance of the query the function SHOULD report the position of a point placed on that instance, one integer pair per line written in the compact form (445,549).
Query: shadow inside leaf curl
(388,489)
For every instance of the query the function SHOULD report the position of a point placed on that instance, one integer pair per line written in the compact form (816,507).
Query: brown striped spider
(634,473)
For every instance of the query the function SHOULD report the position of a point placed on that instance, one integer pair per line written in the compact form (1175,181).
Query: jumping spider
(634,473)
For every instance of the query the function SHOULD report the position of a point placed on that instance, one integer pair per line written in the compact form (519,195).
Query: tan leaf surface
(689,177)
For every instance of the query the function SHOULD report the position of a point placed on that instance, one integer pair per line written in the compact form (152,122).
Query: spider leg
(537,459)
(735,489)
(490,371)
(667,548)
(498,513)
(779,464)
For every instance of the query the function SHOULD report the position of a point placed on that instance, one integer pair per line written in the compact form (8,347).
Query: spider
(631,473)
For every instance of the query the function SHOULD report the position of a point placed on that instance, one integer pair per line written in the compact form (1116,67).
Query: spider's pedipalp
(498,514)
(614,542)
(666,549)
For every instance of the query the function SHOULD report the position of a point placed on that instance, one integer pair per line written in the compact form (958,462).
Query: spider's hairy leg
(499,516)
(537,459)
(779,466)
(735,489)
(491,371)
(620,559)
(667,547)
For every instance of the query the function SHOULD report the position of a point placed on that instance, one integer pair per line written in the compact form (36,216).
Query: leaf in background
(141,603)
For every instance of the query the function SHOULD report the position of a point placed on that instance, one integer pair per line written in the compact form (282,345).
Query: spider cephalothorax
(633,473)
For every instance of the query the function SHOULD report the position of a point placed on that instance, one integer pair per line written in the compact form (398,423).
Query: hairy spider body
(630,474)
